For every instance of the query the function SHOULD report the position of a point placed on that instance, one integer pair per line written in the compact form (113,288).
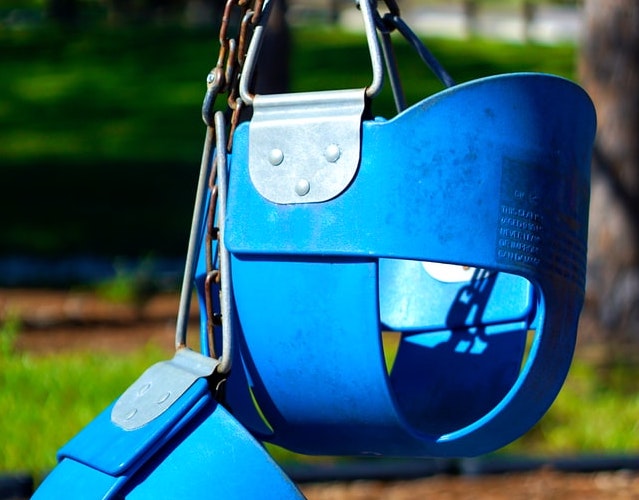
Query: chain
(471,300)
(223,79)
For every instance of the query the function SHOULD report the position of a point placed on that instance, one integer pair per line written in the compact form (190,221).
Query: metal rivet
(131,414)
(332,153)
(210,78)
(275,157)
(163,398)
(302,187)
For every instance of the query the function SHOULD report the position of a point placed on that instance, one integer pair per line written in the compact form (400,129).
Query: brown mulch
(54,320)
(57,320)
(543,484)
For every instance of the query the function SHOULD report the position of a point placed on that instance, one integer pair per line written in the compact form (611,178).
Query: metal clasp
(159,387)
(371,37)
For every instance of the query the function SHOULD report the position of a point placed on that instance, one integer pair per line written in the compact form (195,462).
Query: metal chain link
(224,78)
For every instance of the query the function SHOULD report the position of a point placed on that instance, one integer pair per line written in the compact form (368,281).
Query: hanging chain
(223,79)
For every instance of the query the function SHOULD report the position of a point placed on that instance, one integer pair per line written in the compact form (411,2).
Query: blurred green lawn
(101,135)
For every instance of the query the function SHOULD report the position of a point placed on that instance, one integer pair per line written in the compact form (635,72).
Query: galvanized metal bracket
(159,387)
(305,147)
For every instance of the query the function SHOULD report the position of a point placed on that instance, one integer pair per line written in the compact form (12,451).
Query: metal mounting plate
(305,147)
(159,387)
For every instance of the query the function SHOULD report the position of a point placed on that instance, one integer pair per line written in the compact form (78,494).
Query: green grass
(102,95)
(101,135)
(46,400)
(596,412)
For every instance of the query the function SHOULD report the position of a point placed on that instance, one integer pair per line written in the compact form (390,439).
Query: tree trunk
(272,74)
(63,12)
(471,9)
(609,70)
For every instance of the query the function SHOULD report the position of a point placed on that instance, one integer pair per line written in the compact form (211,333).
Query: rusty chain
(223,79)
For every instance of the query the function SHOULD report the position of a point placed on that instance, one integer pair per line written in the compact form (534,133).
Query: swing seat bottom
(194,450)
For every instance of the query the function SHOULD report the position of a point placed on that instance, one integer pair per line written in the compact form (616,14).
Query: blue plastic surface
(415,300)
(492,174)
(114,451)
(195,450)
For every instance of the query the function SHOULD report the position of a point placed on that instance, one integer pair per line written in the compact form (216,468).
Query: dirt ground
(53,321)
(544,484)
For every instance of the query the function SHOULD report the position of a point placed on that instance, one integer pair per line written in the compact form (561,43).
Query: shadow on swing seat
(464,228)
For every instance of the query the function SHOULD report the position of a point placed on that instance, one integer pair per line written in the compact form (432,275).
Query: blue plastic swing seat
(195,449)
(492,175)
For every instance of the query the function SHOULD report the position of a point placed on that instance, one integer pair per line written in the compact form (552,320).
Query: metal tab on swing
(305,147)
(159,387)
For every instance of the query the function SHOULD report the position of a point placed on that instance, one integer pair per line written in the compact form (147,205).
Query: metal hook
(224,256)
(373,47)
(191,255)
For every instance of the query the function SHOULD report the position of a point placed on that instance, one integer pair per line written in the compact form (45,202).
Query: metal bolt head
(276,157)
(302,187)
(332,153)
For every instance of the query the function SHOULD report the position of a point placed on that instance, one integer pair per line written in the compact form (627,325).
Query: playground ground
(55,321)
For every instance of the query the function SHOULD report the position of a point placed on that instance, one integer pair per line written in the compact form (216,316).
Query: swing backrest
(463,228)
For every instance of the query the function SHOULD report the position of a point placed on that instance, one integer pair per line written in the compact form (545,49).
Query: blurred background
(100,143)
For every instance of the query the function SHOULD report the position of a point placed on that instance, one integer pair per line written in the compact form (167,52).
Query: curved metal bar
(252,53)
(194,237)
(225,269)
(373,48)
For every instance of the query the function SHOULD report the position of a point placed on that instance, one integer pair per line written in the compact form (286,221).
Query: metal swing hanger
(164,383)
(256,44)
(211,190)
(305,147)
(214,167)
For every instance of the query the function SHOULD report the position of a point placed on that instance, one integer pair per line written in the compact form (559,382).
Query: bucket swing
(321,235)
(460,223)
